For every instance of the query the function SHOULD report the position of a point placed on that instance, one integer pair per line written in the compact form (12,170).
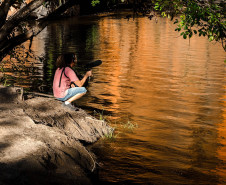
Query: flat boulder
(41,141)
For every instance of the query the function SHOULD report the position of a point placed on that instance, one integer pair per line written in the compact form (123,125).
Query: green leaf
(211,38)
(184,36)
(163,14)
(95,2)
(178,29)
(156,7)
(176,21)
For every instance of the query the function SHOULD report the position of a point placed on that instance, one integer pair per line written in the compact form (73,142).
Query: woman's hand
(89,73)
(72,85)
(80,83)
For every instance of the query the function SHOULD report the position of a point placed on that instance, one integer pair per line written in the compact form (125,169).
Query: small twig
(41,94)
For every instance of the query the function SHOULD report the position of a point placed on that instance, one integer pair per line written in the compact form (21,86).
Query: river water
(164,95)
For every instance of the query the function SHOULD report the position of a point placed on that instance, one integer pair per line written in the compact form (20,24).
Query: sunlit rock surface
(40,141)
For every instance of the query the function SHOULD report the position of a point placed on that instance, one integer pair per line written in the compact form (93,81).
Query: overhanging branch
(62,9)
(17,18)
(15,41)
(4,9)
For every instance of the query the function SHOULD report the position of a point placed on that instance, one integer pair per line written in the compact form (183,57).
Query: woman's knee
(83,90)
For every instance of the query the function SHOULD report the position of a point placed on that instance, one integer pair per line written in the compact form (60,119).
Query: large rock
(40,141)
(77,124)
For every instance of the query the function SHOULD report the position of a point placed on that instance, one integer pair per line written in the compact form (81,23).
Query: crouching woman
(64,77)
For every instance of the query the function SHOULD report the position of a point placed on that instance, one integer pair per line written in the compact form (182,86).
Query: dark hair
(65,60)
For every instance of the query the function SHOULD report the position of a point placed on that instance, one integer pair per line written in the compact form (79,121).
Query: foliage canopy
(201,17)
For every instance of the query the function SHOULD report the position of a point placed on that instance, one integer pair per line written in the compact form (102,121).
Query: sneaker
(70,106)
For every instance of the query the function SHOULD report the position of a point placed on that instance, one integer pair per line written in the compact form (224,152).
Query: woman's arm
(80,83)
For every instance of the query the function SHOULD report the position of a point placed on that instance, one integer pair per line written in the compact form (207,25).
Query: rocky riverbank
(42,142)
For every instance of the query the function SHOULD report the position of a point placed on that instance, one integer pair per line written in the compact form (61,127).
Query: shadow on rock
(50,152)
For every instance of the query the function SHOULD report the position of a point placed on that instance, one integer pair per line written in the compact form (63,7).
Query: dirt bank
(41,141)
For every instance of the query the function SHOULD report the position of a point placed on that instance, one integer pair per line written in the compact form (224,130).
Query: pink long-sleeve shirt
(60,92)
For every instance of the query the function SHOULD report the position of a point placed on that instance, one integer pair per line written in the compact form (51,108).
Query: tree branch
(62,9)
(17,18)
(4,9)
(15,41)
(7,44)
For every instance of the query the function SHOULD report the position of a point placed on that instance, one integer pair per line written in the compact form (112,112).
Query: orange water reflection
(222,151)
(176,84)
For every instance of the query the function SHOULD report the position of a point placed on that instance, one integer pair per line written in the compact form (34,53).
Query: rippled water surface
(171,92)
